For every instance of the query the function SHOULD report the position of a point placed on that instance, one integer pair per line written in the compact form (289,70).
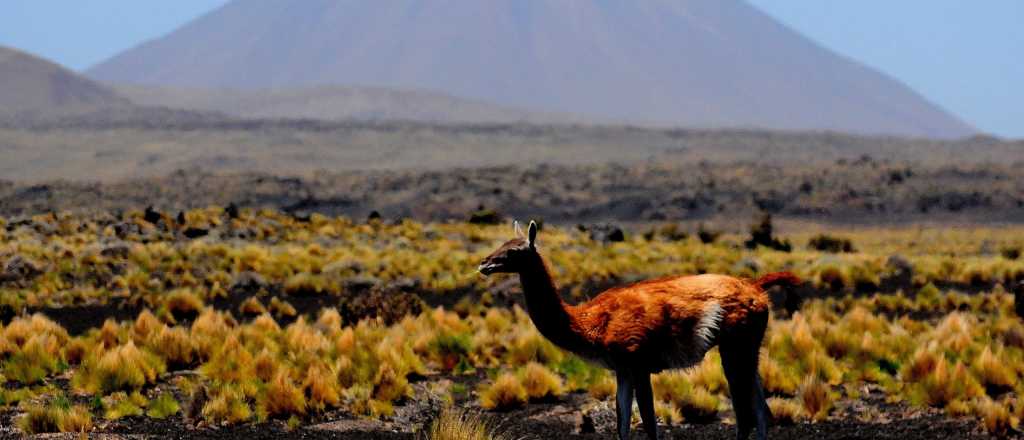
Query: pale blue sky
(967,56)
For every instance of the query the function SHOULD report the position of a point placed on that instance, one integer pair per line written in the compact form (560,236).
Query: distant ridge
(691,63)
(32,86)
(334,103)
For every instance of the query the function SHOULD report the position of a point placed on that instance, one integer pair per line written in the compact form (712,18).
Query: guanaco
(652,326)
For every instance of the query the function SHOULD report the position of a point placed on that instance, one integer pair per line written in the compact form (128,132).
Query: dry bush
(282,397)
(183,303)
(993,372)
(122,368)
(121,404)
(816,397)
(786,411)
(174,345)
(58,416)
(252,307)
(454,424)
(505,393)
(776,379)
(603,389)
(282,309)
(228,405)
(322,387)
(540,383)
(995,416)
(37,358)
(163,406)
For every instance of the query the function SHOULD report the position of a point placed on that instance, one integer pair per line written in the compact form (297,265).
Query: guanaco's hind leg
(623,403)
(645,400)
(740,352)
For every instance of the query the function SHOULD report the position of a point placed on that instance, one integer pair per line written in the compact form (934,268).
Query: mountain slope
(33,86)
(332,103)
(708,63)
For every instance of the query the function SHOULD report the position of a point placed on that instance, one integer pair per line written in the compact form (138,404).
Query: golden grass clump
(282,309)
(232,361)
(993,372)
(122,368)
(322,387)
(20,330)
(945,384)
(110,334)
(183,302)
(227,405)
(786,411)
(995,416)
(282,397)
(209,331)
(454,424)
(540,382)
(174,345)
(505,393)
(603,388)
(252,307)
(121,404)
(37,358)
(58,416)
(709,374)
(816,397)
(694,403)
(145,326)
(265,365)
(329,322)
(390,385)
(163,406)
(778,380)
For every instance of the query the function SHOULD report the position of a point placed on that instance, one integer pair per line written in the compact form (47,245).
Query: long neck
(549,313)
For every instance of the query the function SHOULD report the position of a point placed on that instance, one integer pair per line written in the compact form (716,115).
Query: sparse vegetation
(945,338)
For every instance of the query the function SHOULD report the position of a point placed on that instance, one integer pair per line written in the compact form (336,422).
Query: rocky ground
(575,416)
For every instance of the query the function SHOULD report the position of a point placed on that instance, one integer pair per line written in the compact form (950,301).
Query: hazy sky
(967,56)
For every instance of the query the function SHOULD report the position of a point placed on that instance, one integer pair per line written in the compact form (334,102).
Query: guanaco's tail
(782,279)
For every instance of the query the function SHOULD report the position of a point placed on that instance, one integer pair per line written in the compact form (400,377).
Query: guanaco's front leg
(645,401)
(623,402)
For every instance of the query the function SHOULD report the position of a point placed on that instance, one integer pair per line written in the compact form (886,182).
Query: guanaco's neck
(552,316)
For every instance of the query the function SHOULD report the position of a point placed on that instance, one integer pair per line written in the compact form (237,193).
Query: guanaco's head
(511,256)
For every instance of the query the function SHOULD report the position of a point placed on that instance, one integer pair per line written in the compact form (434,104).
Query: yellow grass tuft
(282,309)
(252,307)
(146,325)
(777,380)
(540,382)
(454,424)
(390,385)
(993,372)
(786,411)
(603,389)
(109,334)
(228,405)
(282,397)
(36,359)
(995,416)
(174,345)
(123,368)
(163,406)
(183,302)
(58,416)
(322,387)
(505,393)
(121,404)
(816,397)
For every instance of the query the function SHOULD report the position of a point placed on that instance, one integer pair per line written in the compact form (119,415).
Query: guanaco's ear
(516,229)
(533,234)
